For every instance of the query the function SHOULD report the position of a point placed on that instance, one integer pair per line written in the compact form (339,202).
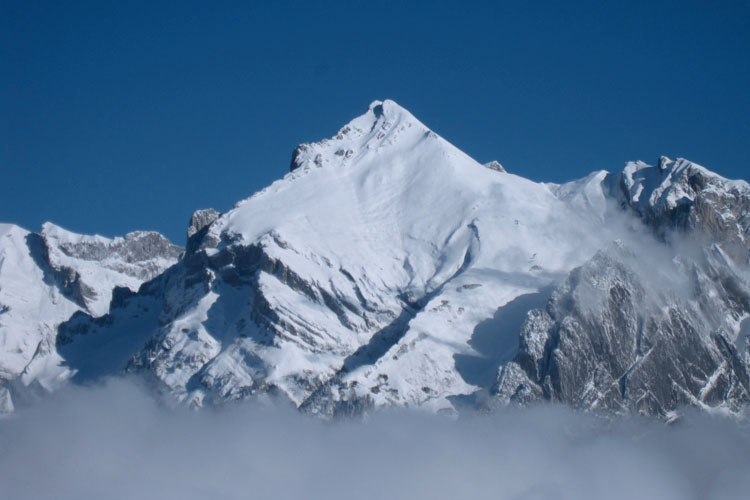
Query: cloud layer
(114,441)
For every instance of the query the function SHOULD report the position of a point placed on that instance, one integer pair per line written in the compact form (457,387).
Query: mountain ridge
(389,268)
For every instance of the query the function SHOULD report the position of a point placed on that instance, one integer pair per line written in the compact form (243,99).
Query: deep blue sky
(116,116)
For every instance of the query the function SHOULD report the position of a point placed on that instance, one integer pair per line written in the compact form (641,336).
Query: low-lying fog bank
(115,441)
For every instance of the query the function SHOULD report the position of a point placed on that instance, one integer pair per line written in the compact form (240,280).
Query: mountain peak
(384,124)
(386,109)
(672,182)
(376,107)
(663,163)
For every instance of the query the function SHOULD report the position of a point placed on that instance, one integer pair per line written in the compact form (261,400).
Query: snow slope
(31,305)
(45,278)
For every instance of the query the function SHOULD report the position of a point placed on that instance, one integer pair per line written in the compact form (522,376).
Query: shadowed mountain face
(48,277)
(389,268)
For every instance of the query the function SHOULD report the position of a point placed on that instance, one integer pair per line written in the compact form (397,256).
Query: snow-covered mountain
(389,268)
(46,277)
(650,328)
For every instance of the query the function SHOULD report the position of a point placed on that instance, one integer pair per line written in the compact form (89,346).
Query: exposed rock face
(297,156)
(615,337)
(496,166)
(680,197)
(622,335)
(200,219)
(197,234)
(87,268)
(139,248)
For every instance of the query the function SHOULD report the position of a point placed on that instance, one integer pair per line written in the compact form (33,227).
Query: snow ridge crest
(382,125)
